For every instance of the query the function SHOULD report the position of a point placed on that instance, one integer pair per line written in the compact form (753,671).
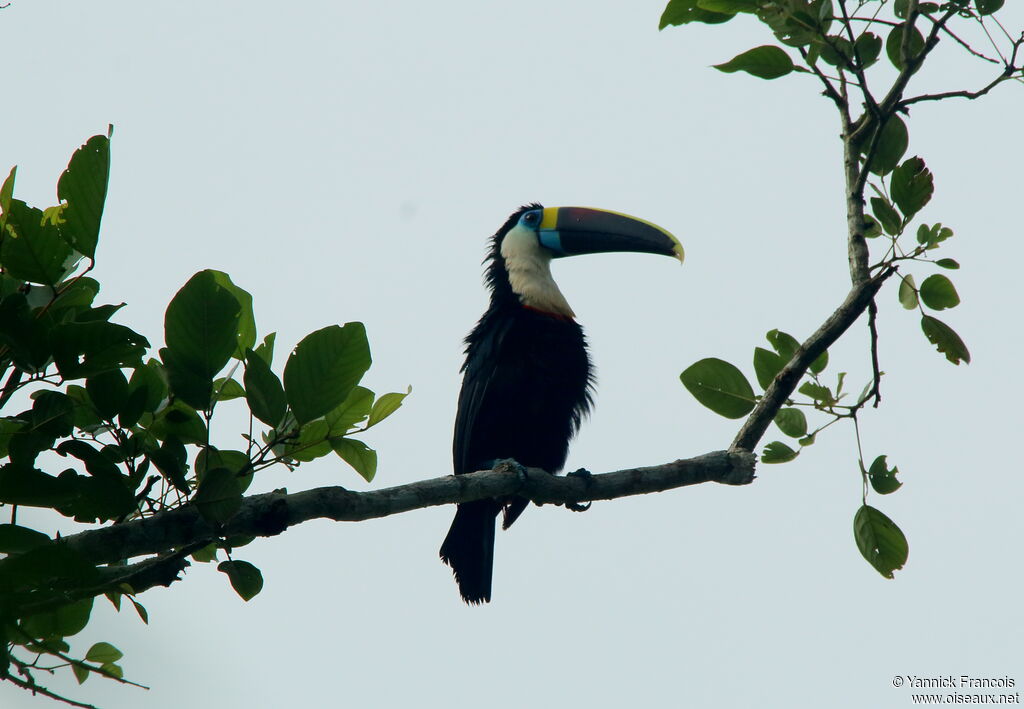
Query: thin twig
(37,689)
(876,385)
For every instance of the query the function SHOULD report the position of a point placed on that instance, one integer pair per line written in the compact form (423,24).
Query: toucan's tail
(469,549)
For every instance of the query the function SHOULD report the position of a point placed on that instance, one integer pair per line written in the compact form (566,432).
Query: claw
(511,465)
(587,476)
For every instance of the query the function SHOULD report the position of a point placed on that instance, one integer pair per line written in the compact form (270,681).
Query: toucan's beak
(568,231)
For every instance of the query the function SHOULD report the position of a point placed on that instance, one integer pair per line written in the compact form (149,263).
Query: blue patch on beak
(551,240)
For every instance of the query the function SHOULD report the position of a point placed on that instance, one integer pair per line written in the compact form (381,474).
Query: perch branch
(271,513)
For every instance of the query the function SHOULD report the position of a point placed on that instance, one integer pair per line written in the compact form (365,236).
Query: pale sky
(347,161)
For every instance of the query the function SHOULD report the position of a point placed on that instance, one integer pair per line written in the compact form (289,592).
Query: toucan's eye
(531,218)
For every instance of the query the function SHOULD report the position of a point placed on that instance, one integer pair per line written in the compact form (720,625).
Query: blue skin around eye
(549,238)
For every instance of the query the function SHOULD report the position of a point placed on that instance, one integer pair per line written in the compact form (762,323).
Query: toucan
(527,378)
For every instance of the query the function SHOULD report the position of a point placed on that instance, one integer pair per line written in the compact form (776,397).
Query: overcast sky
(347,161)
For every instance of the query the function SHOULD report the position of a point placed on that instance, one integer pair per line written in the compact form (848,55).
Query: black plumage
(527,377)
(525,388)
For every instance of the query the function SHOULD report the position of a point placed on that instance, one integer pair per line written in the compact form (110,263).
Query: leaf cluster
(98,428)
(837,43)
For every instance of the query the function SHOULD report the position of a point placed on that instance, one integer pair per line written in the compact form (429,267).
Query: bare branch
(830,90)
(36,689)
(876,374)
(271,513)
(970,95)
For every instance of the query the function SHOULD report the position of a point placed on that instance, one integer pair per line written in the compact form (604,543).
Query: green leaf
(354,409)
(947,263)
(837,51)
(81,672)
(323,368)
(987,7)
(362,458)
(931,236)
(720,387)
(22,484)
(206,554)
(311,443)
(84,187)
(76,296)
(61,623)
(18,540)
(797,23)
(868,48)
(186,383)
(201,325)
(245,578)
(225,389)
(872,229)
(767,365)
(111,669)
(6,193)
(179,421)
(729,6)
(263,390)
(882,479)
(246,335)
(32,250)
(85,349)
(235,461)
(908,292)
(102,653)
(820,393)
(819,363)
(47,566)
(52,413)
(266,349)
(938,292)
(385,406)
(219,495)
(887,216)
(108,392)
(912,186)
(792,422)
(880,541)
(8,427)
(141,610)
(682,12)
(149,380)
(764,62)
(892,144)
(783,343)
(945,340)
(894,44)
(778,452)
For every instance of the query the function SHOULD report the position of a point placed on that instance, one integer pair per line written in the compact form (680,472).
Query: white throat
(529,272)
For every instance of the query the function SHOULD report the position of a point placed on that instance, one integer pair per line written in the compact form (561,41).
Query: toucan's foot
(587,477)
(511,465)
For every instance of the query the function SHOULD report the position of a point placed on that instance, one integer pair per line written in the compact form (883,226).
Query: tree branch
(970,95)
(786,381)
(37,689)
(271,513)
